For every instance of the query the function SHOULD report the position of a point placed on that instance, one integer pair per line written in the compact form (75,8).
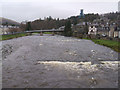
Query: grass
(43,33)
(35,33)
(47,33)
(115,45)
(7,37)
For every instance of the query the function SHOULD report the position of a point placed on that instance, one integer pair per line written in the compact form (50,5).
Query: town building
(111,31)
(78,28)
(61,28)
(6,29)
(3,29)
(117,32)
(92,30)
(103,31)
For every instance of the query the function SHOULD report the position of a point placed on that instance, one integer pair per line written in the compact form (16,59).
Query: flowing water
(58,62)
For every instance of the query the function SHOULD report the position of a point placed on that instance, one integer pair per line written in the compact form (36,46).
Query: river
(57,62)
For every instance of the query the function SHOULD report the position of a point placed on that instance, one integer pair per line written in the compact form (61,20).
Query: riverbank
(7,37)
(109,43)
(11,36)
(115,45)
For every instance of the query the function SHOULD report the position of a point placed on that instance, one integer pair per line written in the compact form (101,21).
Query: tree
(49,18)
(5,24)
(86,28)
(75,21)
(68,29)
(12,24)
(28,26)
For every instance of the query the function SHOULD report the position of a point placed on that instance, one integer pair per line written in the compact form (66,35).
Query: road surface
(58,62)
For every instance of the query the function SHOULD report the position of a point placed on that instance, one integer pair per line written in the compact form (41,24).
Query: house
(61,28)
(3,29)
(110,31)
(114,31)
(80,27)
(103,31)
(6,29)
(99,26)
(92,30)
(117,32)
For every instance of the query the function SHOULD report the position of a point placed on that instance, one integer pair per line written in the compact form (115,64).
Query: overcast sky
(21,10)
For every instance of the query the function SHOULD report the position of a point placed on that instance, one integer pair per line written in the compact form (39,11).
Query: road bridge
(49,30)
(37,31)
(41,31)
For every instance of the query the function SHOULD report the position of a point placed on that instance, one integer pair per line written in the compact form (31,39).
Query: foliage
(68,29)
(47,23)
(50,23)
(75,21)
(87,18)
(91,17)
(5,24)
(28,26)
(86,28)
(47,33)
(112,16)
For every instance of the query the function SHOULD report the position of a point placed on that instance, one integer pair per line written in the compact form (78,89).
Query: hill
(50,23)
(8,21)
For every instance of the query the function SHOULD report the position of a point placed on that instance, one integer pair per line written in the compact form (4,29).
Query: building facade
(92,30)
(7,29)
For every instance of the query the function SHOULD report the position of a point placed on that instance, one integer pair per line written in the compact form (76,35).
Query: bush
(68,29)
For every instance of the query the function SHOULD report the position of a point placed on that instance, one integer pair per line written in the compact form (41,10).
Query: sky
(21,10)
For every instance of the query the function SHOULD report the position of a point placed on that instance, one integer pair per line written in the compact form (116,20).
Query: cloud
(60,0)
(21,11)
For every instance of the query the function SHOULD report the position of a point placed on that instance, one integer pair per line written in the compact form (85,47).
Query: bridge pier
(53,33)
(29,33)
(41,34)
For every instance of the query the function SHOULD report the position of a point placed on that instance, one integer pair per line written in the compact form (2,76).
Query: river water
(58,62)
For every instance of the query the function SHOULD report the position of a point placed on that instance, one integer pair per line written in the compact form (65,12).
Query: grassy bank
(47,33)
(115,45)
(43,33)
(7,37)
(35,33)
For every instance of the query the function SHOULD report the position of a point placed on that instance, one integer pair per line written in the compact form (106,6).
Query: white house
(61,28)
(92,30)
